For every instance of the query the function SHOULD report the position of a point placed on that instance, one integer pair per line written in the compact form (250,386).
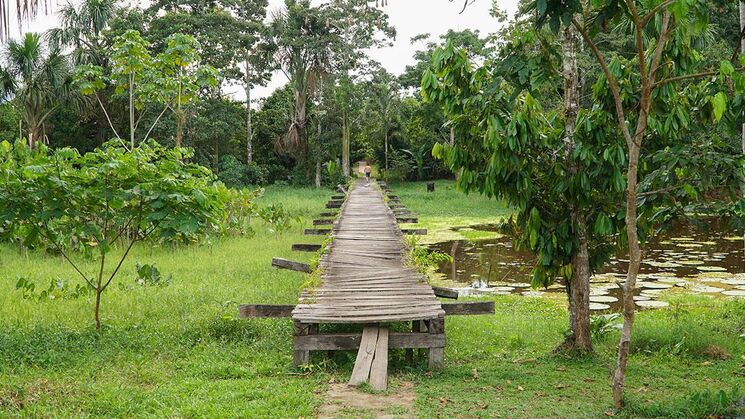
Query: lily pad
(533,293)
(603,299)
(706,289)
(504,289)
(711,268)
(520,284)
(731,281)
(642,298)
(656,285)
(599,306)
(652,304)
(656,264)
(692,262)
(734,293)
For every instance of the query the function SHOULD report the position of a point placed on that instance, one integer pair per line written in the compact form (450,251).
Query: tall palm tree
(81,27)
(37,78)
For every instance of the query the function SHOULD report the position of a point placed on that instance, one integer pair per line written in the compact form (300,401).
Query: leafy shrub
(422,258)
(276,217)
(236,174)
(239,207)
(399,166)
(149,275)
(105,200)
(601,326)
(58,289)
(334,174)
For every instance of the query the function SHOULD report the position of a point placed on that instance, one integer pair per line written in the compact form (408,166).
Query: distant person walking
(368,172)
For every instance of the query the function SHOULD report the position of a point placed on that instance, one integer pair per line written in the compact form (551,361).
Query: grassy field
(180,350)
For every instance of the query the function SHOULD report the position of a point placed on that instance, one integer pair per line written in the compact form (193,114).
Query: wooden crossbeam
(351,341)
(415,231)
(328,214)
(265,310)
(299,247)
(291,265)
(333,205)
(338,196)
(317,231)
(468,308)
(407,220)
(323,222)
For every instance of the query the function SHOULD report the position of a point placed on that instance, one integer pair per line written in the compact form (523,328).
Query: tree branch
(156,122)
(613,83)
(656,10)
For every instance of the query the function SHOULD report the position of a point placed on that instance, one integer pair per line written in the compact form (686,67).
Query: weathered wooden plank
(333,205)
(379,368)
(337,197)
(445,292)
(403,220)
(298,247)
(265,310)
(328,214)
(317,231)
(362,364)
(351,341)
(323,222)
(468,308)
(291,265)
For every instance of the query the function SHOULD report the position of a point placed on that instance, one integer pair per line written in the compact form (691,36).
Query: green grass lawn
(180,350)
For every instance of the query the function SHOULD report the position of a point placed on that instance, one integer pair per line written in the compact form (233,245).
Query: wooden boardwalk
(364,279)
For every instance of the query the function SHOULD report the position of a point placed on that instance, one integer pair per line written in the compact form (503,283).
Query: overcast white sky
(409,17)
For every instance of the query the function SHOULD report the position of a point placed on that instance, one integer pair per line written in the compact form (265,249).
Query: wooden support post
(436,354)
(430,186)
(300,356)
(379,368)
(365,355)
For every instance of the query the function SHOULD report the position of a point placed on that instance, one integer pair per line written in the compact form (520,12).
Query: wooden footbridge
(365,280)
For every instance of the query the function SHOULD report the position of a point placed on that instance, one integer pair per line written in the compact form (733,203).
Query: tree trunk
(132,111)
(345,146)
(629,312)
(635,254)
(578,287)
(742,50)
(180,121)
(318,173)
(249,127)
(99,291)
(386,154)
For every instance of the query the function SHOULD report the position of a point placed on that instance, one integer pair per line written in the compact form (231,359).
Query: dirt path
(343,401)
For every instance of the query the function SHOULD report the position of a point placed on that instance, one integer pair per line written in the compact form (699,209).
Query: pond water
(707,260)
